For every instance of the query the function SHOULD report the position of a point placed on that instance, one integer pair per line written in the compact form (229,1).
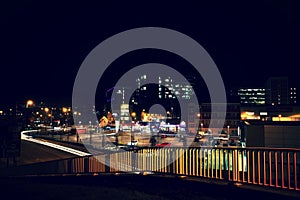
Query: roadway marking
(123,167)
(55,146)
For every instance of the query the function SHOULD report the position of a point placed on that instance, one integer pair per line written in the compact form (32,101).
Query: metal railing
(273,167)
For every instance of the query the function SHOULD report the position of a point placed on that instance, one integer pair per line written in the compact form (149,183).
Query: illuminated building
(181,90)
(277,91)
(199,117)
(252,96)
(269,113)
(293,95)
(165,91)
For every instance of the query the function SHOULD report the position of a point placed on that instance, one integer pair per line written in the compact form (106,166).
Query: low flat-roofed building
(273,134)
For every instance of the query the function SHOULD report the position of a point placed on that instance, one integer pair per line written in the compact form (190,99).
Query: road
(34,153)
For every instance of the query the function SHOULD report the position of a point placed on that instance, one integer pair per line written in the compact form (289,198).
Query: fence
(278,168)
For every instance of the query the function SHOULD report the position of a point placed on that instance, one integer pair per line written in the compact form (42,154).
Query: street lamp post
(133,115)
(49,115)
(168,115)
(29,103)
(199,128)
(228,135)
(28,114)
(90,131)
(279,117)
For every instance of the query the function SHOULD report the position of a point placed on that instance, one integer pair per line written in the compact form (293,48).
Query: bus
(168,130)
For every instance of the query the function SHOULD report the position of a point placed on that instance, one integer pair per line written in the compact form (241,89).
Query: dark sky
(44,44)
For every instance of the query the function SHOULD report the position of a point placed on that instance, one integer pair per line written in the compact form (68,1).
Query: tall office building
(277,91)
(232,116)
(293,95)
(252,96)
(168,88)
(166,91)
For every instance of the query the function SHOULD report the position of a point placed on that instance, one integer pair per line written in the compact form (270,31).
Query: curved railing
(272,167)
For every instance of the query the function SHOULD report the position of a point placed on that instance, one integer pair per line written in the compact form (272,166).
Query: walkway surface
(129,186)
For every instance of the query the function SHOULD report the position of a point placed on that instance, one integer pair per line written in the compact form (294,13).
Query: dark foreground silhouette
(128,186)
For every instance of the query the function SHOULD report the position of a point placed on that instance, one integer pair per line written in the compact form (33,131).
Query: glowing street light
(228,129)
(133,115)
(168,115)
(29,103)
(64,110)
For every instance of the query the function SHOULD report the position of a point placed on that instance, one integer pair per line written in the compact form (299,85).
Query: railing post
(270,169)
(107,162)
(253,168)
(86,164)
(69,163)
(295,170)
(172,162)
(282,169)
(258,166)
(228,165)
(276,169)
(265,169)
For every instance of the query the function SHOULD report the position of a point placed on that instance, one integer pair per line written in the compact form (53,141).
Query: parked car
(164,144)
(130,148)
(132,143)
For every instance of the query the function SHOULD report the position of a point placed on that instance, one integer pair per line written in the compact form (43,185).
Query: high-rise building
(193,118)
(166,91)
(252,96)
(181,90)
(232,116)
(124,113)
(293,95)
(277,91)
(168,88)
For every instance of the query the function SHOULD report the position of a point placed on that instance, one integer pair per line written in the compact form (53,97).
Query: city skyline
(102,99)
(237,94)
(43,51)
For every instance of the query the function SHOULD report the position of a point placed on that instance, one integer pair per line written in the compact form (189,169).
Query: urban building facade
(277,91)
(202,120)
(252,96)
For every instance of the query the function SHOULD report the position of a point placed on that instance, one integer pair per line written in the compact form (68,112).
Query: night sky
(44,44)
